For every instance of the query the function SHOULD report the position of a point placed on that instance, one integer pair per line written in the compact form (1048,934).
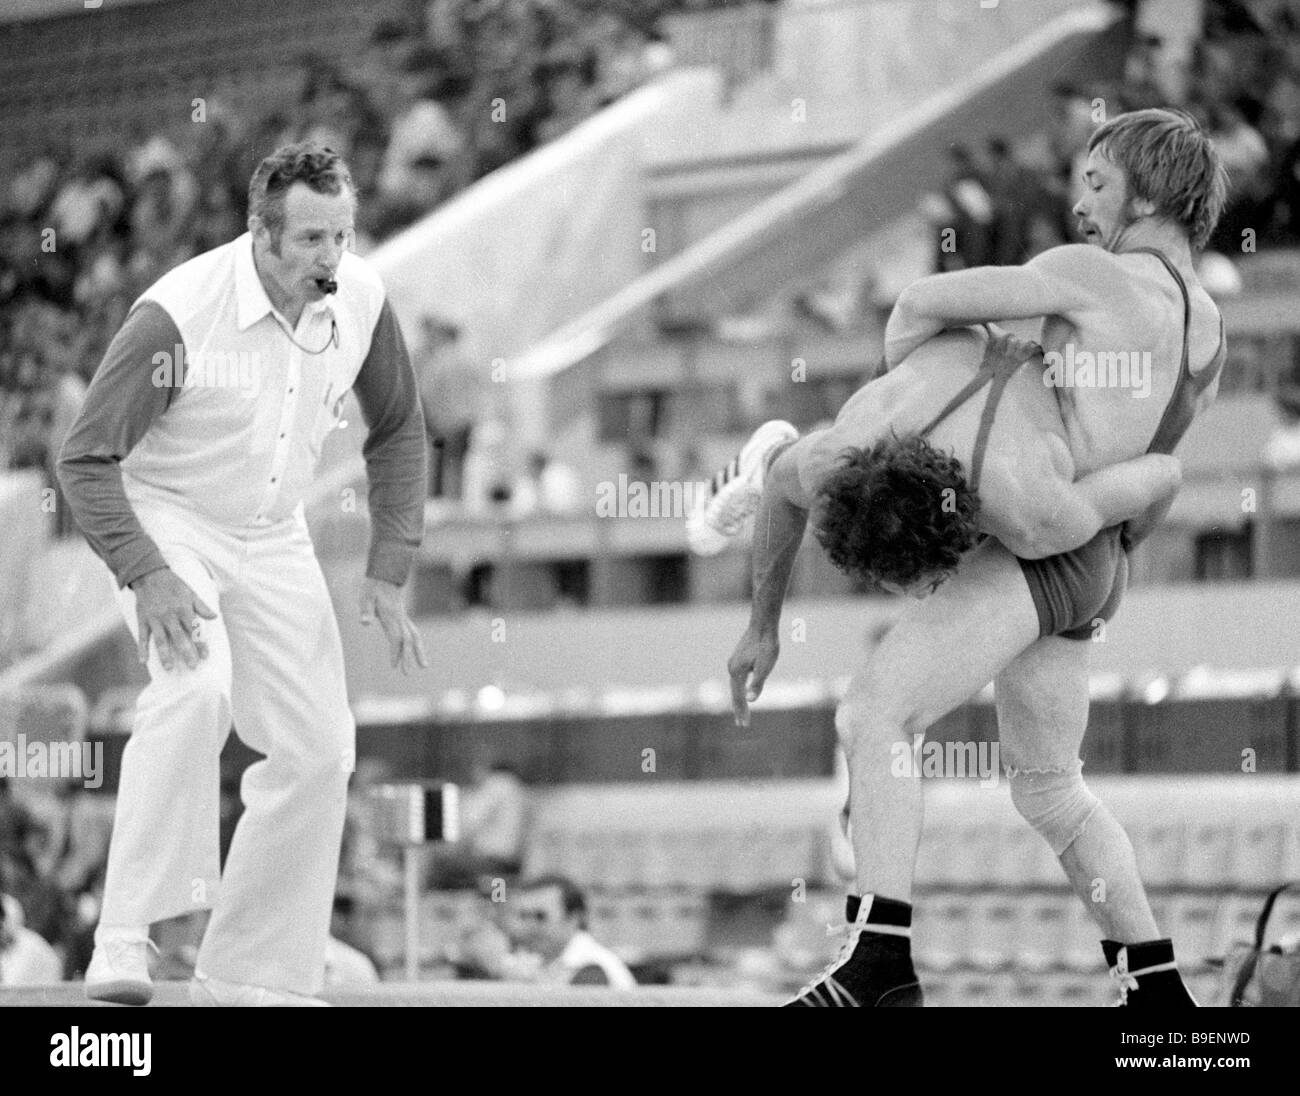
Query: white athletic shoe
(719,516)
(119,972)
(208,992)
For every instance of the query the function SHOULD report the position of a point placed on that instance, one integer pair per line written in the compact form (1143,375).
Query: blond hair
(1169,160)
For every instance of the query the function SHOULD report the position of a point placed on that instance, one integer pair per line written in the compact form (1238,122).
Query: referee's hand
(383,601)
(167,609)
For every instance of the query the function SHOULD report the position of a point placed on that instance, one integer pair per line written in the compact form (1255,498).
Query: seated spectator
(451,391)
(73,856)
(494,823)
(549,487)
(424,163)
(546,940)
(370,870)
(90,197)
(1246,158)
(569,85)
(26,959)
(346,965)
(964,216)
(486,480)
(45,908)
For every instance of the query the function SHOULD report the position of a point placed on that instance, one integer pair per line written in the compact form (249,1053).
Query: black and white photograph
(650,503)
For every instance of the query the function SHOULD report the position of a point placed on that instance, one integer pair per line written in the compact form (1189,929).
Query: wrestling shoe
(720,514)
(208,992)
(1147,975)
(874,967)
(119,970)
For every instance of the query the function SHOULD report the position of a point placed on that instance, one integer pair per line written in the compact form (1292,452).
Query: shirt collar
(252,298)
(253,303)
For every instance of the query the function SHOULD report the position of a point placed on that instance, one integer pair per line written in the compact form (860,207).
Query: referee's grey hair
(321,168)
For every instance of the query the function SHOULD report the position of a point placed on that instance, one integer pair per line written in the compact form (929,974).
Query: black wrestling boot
(874,967)
(1147,975)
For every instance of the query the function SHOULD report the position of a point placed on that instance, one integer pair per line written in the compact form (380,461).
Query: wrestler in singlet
(1074,591)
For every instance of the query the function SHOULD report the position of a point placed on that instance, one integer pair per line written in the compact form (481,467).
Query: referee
(186,471)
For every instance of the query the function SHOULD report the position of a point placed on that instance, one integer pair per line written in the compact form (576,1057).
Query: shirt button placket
(288,412)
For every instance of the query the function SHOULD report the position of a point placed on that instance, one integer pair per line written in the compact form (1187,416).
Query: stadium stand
(658,379)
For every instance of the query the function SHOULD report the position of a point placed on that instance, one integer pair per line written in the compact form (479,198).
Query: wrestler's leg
(1042,704)
(1042,713)
(940,652)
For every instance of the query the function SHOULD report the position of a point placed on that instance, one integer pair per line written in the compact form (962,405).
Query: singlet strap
(1187,303)
(987,414)
(966,391)
(997,380)
(1178,413)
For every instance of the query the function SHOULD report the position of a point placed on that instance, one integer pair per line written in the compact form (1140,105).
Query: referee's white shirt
(205,402)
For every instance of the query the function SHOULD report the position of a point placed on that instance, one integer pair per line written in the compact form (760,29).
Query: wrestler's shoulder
(1077,261)
(1032,460)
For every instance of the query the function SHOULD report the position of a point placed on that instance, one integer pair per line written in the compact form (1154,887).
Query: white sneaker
(208,992)
(719,516)
(119,972)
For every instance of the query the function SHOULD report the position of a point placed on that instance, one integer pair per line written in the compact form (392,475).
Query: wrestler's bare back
(1027,460)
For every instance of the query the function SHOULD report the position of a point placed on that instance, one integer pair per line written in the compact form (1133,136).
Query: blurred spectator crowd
(53,851)
(1012,199)
(441,94)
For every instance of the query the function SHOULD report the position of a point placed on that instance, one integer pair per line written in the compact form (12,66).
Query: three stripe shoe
(719,516)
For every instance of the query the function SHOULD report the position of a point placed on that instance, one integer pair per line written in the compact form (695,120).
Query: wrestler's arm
(1139,528)
(1065,281)
(1063,516)
(779,527)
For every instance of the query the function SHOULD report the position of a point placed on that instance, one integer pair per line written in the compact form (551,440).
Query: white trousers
(274,665)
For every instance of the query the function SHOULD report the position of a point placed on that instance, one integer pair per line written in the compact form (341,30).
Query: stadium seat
(1192,922)
(1023,858)
(1259,852)
(1082,951)
(942,939)
(1070,991)
(684,920)
(994,940)
(1210,850)
(1161,848)
(1042,930)
(938,852)
(1237,914)
(1284,924)
(939,992)
(976,854)
(983,991)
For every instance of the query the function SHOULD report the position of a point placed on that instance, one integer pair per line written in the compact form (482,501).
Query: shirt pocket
(331,415)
